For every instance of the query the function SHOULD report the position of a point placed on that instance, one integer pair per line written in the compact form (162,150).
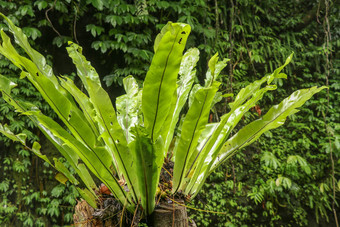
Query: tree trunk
(170,215)
(83,214)
(165,215)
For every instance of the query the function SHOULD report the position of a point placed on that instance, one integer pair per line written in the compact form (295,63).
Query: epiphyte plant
(125,146)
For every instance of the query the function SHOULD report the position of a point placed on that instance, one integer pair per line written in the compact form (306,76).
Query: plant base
(165,215)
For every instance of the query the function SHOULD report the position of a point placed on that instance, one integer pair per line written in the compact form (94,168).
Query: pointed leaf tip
(160,81)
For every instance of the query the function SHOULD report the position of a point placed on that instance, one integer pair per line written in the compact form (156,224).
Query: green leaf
(160,81)
(83,102)
(148,164)
(97,4)
(4,186)
(256,195)
(215,67)
(112,133)
(212,63)
(28,222)
(84,68)
(66,151)
(51,91)
(61,178)
(275,117)
(66,173)
(108,125)
(276,73)
(284,181)
(187,74)
(249,90)
(97,159)
(95,30)
(88,196)
(42,4)
(129,107)
(58,190)
(19,137)
(294,159)
(86,177)
(33,33)
(211,147)
(270,160)
(193,125)
(37,58)
(5,130)
(23,107)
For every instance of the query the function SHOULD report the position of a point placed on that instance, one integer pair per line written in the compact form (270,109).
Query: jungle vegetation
(290,172)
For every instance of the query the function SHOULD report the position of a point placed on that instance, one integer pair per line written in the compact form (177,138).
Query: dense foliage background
(286,178)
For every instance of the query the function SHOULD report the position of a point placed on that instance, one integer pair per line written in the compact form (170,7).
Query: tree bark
(83,214)
(171,215)
(165,215)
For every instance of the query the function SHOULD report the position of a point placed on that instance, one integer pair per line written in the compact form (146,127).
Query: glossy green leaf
(4,129)
(53,94)
(67,152)
(193,125)
(274,118)
(160,81)
(83,102)
(108,125)
(212,64)
(276,73)
(249,90)
(37,58)
(85,70)
(5,87)
(148,162)
(36,146)
(128,107)
(187,74)
(22,139)
(112,133)
(215,68)
(193,91)
(200,169)
(86,177)
(98,160)
(64,106)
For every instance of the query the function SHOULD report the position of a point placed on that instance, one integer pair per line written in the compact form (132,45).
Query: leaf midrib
(192,138)
(160,87)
